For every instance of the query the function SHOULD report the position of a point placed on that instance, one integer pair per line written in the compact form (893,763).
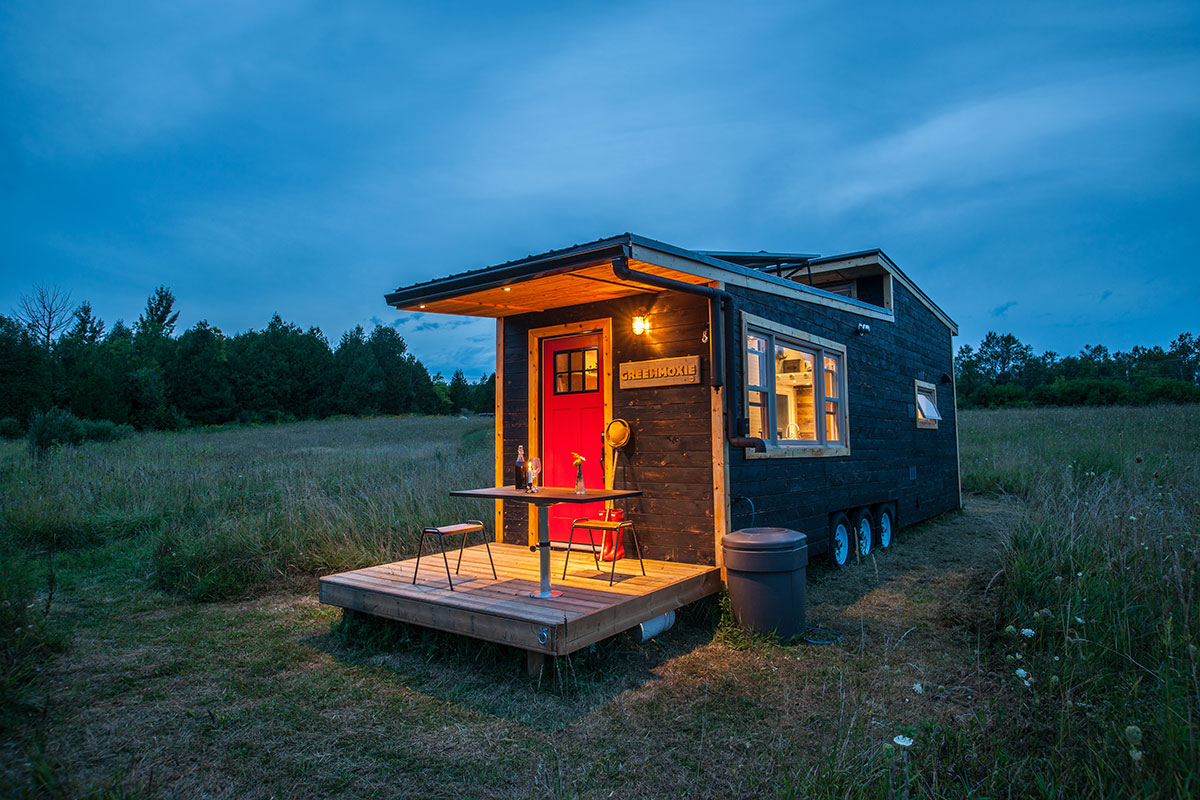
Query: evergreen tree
(199,380)
(390,349)
(358,382)
(25,375)
(459,393)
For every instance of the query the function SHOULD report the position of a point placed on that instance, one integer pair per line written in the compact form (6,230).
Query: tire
(863,531)
(839,540)
(885,524)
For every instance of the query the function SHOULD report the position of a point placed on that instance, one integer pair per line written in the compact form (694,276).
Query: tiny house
(762,389)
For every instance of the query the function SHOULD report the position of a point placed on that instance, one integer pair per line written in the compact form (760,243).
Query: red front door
(572,375)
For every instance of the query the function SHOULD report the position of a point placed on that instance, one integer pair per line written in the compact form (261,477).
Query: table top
(547,494)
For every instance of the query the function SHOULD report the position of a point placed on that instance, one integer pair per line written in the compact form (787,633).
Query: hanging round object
(616,433)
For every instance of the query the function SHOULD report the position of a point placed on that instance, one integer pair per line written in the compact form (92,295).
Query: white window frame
(930,391)
(776,332)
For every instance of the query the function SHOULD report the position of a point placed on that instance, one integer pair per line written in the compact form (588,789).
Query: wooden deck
(501,610)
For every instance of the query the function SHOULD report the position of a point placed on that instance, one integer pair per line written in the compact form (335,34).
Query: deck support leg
(539,665)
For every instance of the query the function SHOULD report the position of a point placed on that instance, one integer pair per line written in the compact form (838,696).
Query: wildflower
(1132,518)
(1022,673)
(1025,682)
(1019,657)
(1027,632)
(1010,631)
(1078,574)
(1080,621)
(1133,734)
(903,741)
(918,688)
(1056,658)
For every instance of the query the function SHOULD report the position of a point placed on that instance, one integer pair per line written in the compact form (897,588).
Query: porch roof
(578,274)
(583,273)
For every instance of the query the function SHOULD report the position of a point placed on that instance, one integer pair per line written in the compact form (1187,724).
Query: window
(926,401)
(575,371)
(795,388)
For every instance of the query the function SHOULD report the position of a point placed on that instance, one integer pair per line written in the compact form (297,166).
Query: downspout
(721,313)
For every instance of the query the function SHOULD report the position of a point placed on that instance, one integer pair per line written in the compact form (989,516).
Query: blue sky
(1034,167)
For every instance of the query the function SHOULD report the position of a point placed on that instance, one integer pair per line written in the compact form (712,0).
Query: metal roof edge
(754,274)
(506,272)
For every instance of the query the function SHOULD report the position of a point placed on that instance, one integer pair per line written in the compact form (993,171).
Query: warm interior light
(508,288)
(641,324)
(421,306)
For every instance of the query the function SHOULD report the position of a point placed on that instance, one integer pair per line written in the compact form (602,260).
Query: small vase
(579,489)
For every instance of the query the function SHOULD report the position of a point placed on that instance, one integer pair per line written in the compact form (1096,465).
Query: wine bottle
(519,469)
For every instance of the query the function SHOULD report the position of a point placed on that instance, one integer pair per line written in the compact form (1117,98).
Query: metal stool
(470,526)
(603,525)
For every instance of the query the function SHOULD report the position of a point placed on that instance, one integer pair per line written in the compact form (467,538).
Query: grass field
(161,636)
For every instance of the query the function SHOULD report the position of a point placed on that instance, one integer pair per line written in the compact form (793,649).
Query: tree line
(1003,371)
(144,375)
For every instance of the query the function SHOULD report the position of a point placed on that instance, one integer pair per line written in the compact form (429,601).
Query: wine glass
(535,468)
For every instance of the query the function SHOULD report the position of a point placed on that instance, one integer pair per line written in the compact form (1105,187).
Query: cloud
(1002,310)
(1073,128)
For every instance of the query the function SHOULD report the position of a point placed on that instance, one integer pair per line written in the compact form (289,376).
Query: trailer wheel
(839,540)
(864,531)
(885,523)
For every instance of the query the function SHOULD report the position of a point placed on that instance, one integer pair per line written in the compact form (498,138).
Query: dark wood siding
(670,457)
(890,458)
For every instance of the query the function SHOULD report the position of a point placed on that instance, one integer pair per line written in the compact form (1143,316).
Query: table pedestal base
(546,595)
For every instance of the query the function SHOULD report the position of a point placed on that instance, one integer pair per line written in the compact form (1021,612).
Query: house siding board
(885,443)
(670,456)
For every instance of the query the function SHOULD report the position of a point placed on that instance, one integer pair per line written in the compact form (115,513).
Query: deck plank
(500,609)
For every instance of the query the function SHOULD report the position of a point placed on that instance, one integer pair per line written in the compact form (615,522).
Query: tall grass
(1101,592)
(1009,450)
(232,510)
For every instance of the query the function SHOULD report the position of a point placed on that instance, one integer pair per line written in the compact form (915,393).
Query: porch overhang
(574,276)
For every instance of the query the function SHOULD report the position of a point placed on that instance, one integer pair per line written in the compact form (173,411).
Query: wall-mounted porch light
(641,324)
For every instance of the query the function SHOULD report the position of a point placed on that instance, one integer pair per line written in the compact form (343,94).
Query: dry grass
(274,695)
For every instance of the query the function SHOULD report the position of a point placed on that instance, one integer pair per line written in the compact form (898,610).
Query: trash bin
(765,571)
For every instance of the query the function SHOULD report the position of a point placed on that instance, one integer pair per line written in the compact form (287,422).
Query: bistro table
(543,498)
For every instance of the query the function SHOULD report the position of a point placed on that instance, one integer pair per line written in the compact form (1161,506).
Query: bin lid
(764,539)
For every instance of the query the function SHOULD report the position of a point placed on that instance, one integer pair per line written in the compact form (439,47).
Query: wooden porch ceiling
(590,283)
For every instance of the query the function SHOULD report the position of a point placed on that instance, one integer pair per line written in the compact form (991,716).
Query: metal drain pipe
(720,305)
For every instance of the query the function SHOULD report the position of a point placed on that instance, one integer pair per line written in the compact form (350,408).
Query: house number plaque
(660,372)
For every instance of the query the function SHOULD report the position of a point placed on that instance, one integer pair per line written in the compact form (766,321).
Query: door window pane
(577,371)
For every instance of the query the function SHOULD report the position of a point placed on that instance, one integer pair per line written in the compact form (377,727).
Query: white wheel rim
(864,537)
(841,544)
(885,529)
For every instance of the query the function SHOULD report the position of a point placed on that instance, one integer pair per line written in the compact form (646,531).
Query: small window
(795,390)
(577,371)
(927,410)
